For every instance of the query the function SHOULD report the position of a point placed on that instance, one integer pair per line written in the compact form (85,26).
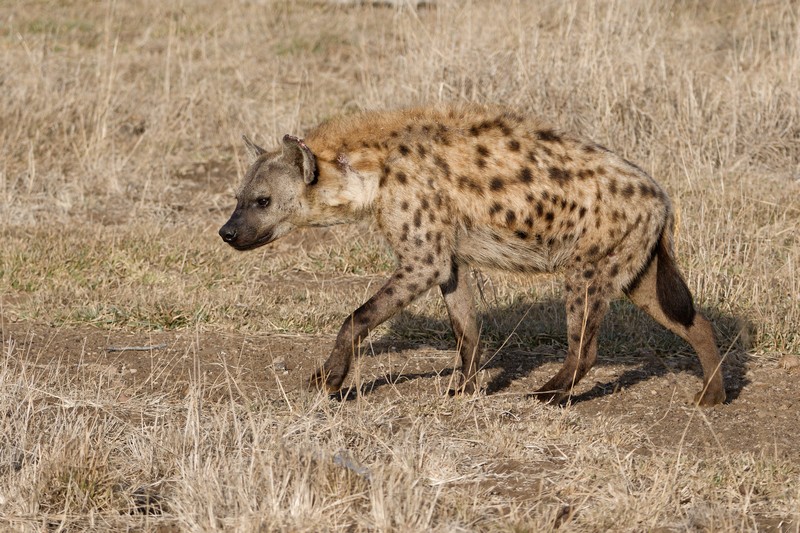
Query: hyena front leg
(461,309)
(586,305)
(408,281)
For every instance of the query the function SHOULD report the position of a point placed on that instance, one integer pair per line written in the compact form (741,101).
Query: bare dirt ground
(650,395)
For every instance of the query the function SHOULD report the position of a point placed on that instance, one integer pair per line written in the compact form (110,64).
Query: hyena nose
(227,234)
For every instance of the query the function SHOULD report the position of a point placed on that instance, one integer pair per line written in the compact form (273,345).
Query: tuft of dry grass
(119,152)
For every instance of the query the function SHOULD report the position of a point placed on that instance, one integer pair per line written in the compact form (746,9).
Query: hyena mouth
(261,241)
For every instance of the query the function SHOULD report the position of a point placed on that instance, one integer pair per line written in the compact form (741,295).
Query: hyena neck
(347,184)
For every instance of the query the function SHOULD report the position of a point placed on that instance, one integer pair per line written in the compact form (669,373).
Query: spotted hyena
(458,186)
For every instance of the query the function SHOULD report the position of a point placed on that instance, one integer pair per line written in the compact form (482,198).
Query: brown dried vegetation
(119,151)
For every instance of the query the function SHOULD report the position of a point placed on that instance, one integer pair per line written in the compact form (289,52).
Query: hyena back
(458,186)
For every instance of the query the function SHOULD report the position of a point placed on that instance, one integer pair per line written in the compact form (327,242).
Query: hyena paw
(326,380)
(709,397)
(554,397)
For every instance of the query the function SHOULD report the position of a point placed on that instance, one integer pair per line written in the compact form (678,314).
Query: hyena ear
(296,151)
(253,150)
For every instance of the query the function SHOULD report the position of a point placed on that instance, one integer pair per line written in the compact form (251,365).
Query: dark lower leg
(585,311)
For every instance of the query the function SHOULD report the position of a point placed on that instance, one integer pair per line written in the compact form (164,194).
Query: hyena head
(269,203)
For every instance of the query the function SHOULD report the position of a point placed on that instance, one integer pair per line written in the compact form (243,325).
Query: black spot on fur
(496,184)
(612,186)
(404,205)
(532,157)
(481,162)
(401,177)
(588,273)
(548,136)
(424,205)
(549,216)
(513,145)
(494,209)
(389,291)
(500,124)
(429,259)
(511,217)
(404,233)
(417,218)
(465,182)
(482,150)
(581,212)
(422,151)
(525,175)
(559,174)
(404,150)
(521,234)
(628,191)
(442,164)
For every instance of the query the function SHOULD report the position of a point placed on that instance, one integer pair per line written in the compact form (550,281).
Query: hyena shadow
(521,337)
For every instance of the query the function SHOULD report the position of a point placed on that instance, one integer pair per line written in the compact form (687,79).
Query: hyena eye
(263,201)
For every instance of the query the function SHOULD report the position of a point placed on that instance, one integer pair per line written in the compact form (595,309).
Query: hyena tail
(673,295)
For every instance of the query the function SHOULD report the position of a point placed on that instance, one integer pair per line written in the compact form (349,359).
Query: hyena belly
(497,248)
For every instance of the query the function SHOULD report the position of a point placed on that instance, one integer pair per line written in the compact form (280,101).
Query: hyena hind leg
(662,293)
(586,306)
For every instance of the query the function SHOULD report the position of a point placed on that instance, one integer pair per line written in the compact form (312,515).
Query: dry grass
(78,454)
(118,154)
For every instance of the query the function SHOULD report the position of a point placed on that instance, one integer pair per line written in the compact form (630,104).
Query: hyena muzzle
(458,186)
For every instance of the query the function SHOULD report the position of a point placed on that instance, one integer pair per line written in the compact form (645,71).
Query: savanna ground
(119,152)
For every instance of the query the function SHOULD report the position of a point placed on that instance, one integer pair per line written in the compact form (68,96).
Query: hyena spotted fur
(457,186)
